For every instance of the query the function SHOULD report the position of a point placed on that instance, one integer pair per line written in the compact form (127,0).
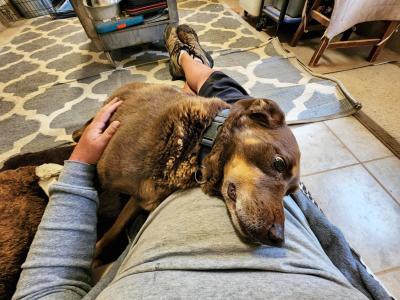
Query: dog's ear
(213,171)
(266,112)
(214,162)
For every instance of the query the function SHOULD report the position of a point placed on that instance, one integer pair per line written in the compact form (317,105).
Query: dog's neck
(210,135)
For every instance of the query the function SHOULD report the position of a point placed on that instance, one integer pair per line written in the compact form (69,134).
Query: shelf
(150,31)
(135,35)
(151,23)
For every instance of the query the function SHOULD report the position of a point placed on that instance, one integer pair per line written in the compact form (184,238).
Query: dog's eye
(279,164)
(232,191)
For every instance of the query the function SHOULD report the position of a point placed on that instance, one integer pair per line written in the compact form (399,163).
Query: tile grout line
(375,159)
(362,164)
(341,142)
(347,148)
(344,145)
(333,169)
(384,188)
(386,271)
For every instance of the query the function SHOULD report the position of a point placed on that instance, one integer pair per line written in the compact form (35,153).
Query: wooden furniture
(149,31)
(313,14)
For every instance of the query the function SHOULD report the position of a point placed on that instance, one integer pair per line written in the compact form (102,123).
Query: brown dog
(254,161)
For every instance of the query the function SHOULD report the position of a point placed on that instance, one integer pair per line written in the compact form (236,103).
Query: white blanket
(347,13)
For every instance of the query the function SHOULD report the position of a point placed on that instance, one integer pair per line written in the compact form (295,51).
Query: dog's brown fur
(22,204)
(55,155)
(155,152)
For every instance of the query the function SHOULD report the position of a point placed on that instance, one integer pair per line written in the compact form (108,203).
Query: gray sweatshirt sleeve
(58,262)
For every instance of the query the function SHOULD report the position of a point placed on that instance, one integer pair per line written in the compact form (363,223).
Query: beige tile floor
(356,181)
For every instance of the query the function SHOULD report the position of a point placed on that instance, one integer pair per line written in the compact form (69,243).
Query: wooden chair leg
(391,26)
(304,24)
(318,52)
(299,32)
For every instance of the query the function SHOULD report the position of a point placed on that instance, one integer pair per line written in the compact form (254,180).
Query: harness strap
(209,136)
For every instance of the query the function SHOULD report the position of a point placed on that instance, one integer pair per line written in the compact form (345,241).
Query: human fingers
(105,113)
(113,100)
(111,103)
(110,131)
(110,107)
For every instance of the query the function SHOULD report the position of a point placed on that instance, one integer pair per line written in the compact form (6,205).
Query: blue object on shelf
(64,7)
(105,27)
(275,13)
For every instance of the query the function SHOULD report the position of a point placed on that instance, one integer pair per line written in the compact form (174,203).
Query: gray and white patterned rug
(51,80)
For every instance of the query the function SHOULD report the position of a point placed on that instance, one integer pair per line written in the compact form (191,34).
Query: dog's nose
(276,234)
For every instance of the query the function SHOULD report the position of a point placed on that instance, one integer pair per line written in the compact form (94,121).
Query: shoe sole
(189,30)
(166,34)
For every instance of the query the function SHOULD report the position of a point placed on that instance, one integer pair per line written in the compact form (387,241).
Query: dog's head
(254,163)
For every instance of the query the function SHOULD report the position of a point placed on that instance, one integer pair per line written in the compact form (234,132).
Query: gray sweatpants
(187,249)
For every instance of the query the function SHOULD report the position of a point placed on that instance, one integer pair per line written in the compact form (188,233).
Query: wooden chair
(313,14)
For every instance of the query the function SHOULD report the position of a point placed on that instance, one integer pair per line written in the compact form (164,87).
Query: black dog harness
(209,136)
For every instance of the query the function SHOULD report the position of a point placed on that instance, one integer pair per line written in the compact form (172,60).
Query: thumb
(110,130)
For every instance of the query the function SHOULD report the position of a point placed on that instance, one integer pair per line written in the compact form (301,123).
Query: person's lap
(189,244)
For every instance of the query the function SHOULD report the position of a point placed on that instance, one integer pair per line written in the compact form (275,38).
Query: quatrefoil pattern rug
(52,81)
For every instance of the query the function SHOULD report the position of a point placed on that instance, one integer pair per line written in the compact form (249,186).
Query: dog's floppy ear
(214,162)
(213,171)
(266,112)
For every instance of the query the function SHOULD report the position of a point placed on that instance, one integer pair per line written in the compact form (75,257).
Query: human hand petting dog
(96,136)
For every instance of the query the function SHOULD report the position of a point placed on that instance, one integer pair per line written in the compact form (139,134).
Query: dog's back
(155,144)
(143,107)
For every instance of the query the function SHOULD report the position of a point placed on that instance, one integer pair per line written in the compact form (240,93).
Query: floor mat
(270,72)
(44,98)
(49,51)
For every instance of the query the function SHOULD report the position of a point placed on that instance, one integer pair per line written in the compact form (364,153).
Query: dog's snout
(276,234)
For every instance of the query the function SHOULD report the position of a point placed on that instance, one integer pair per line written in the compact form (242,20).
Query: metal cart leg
(260,23)
(114,63)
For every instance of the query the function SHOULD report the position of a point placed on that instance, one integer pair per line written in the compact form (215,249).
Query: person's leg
(197,69)
(196,73)
(186,88)
(190,61)
(209,83)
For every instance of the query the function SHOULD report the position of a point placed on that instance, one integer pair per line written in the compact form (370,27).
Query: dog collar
(209,136)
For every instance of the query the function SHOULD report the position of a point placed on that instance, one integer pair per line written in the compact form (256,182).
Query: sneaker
(188,36)
(174,47)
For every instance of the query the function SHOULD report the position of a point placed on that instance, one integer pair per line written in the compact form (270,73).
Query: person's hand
(96,136)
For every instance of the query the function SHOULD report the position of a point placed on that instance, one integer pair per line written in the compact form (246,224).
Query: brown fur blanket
(22,204)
